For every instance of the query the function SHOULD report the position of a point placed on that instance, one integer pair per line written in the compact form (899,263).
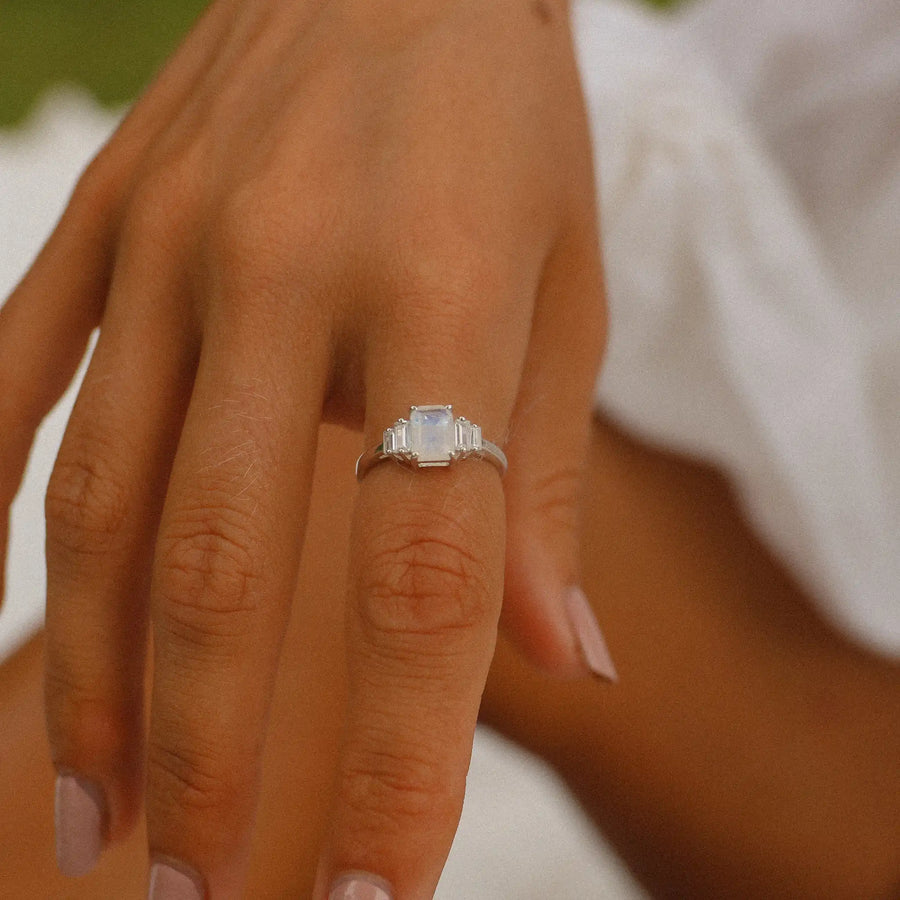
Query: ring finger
(427,557)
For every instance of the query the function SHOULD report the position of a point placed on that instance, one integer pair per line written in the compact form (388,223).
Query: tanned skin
(749,750)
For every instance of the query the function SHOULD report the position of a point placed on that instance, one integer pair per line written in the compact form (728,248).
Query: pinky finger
(545,611)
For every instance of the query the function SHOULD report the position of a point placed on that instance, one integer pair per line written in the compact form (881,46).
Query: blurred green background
(110,46)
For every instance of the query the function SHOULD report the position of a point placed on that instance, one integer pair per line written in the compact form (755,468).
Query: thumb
(545,612)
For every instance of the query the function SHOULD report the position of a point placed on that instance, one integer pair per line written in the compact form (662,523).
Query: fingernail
(170,883)
(589,636)
(360,886)
(80,813)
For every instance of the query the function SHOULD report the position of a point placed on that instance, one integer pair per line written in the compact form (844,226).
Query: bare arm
(749,750)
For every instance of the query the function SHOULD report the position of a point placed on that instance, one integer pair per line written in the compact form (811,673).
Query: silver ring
(431,437)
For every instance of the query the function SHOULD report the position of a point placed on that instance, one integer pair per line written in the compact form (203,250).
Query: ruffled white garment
(749,161)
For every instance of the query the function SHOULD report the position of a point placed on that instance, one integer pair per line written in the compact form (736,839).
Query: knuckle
(86,506)
(209,575)
(82,724)
(421,579)
(234,233)
(162,200)
(396,790)
(195,779)
(248,236)
(268,256)
(99,186)
(451,275)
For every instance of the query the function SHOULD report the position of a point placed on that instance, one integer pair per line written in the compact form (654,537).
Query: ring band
(431,437)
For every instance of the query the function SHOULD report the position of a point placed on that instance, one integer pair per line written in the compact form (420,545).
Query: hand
(327,209)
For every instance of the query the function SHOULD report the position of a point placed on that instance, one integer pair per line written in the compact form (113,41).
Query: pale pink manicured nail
(170,883)
(360,886)
(80,811)
(588,634)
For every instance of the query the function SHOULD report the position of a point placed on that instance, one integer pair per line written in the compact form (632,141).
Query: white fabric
(749,160)
(750,187)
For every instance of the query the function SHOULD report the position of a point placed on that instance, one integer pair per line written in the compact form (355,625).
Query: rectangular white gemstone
(466,436)
(387,444)
(431,433)
(401,432)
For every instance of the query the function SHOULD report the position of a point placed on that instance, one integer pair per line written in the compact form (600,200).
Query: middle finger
(224,573)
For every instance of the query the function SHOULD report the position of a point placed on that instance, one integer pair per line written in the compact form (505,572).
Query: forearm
(748,751)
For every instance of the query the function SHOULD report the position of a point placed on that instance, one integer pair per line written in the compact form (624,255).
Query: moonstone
(431,434)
